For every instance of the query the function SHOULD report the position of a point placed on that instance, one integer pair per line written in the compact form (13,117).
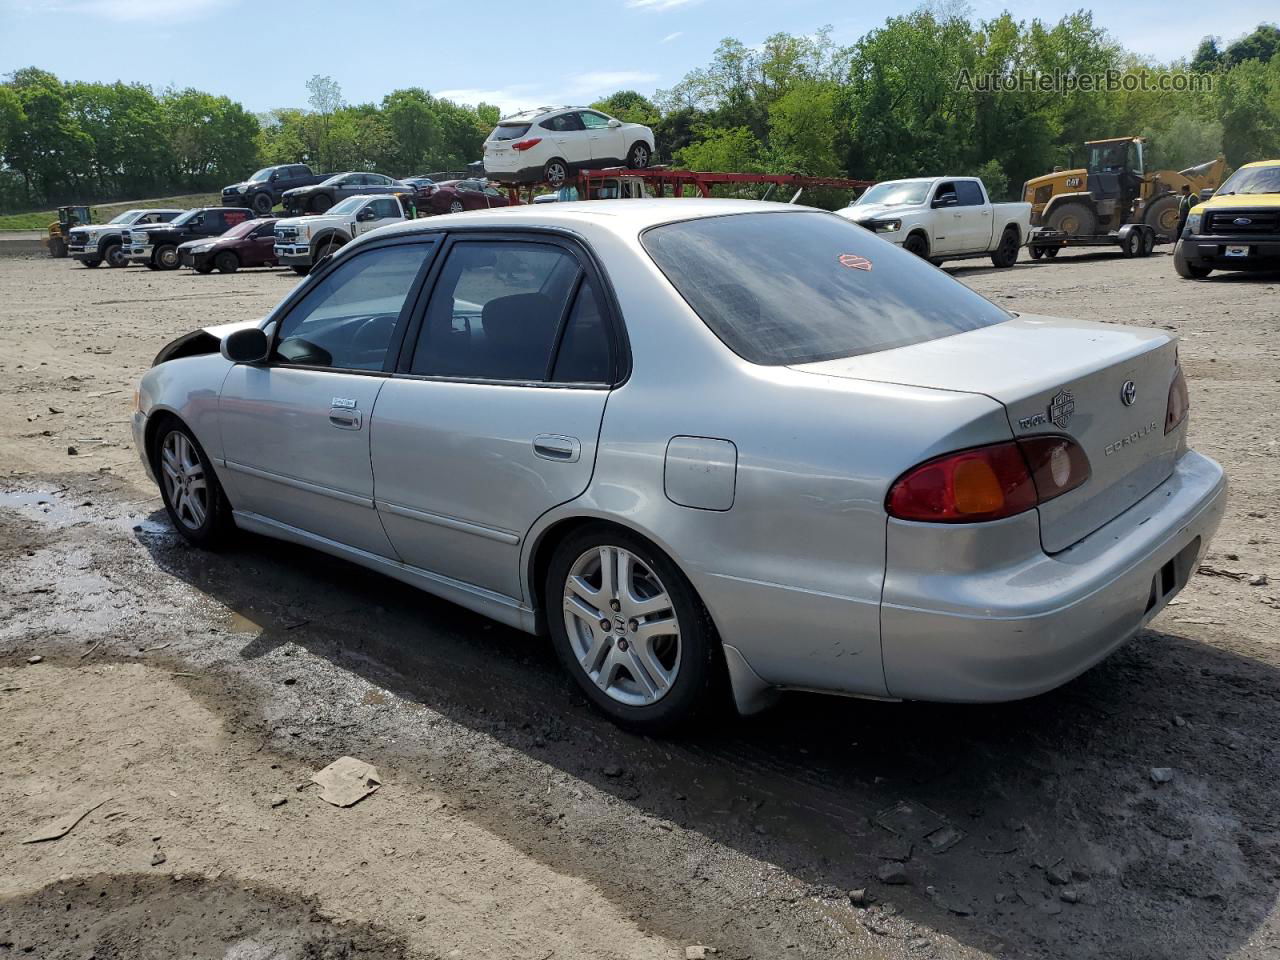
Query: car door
(973,218)
(493,197)
(570,138)
(259,247)
(947,231)
(493,416)
(295,429)
(603,141)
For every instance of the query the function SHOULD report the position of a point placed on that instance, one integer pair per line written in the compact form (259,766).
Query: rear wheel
(1036,252)
(1006,254)
(556,172)
(1162,217)
(192,495)
(300,270)
(262,204)
(226,262)
(639,155)
(166,257)
(455,206)
(1052,252)
(1073,219)
(1148,242)
(57,248)
(321,203)
(205,268)
(114,256)
(630,629)
(1131,245)
(917,244)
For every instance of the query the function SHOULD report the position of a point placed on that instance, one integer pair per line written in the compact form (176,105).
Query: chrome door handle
(344,418)
(551,447)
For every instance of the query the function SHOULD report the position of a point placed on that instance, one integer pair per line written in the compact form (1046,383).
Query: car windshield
(783,288)
(1252,180)
(509,131)
(900,192)
(347,205)
(262,174)
(127,217)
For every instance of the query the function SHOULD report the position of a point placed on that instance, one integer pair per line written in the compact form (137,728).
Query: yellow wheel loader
(1112,200)
(60,229)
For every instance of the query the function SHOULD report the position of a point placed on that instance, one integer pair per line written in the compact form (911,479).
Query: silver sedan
(707,446)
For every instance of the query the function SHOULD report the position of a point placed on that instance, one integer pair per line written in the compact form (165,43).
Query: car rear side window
(969,193)
(584,355)
(496,311)
(782,288)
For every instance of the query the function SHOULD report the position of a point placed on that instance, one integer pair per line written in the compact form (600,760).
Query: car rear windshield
(509,131)
(801,287)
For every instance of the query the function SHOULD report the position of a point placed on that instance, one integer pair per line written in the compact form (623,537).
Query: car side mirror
(1206,194)
(245,346)
(949,200)
(364,215)
(615,123)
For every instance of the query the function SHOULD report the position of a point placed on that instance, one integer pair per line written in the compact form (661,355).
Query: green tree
(325,97)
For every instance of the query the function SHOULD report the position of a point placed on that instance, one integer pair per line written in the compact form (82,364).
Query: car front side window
(348,319)
(594,121)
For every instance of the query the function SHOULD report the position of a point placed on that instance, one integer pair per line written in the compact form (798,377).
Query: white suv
(550,143)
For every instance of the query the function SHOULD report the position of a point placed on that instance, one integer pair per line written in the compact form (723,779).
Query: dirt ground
(183,695)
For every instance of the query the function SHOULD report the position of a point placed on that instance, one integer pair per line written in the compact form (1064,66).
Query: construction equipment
(60,230)
(1094,205)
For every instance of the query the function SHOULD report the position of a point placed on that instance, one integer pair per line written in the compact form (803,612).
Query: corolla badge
(1061,408)
(1129,393)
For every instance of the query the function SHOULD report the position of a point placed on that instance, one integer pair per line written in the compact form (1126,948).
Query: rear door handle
(344,418)
(551,447)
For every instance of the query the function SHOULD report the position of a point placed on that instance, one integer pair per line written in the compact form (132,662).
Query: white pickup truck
(944,218)
(302,241)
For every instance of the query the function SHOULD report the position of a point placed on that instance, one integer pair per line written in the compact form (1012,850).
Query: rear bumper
(1027,625)
(1211,251)
(512,173)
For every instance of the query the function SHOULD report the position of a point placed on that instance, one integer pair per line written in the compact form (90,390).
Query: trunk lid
(1053,376)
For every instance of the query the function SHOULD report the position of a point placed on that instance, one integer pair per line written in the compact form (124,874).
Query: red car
(454,196)
(247,244)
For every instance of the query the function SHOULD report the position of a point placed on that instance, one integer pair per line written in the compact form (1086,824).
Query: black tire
(330,244)
(1148,243)
(204,268)
(92,264)
(321,203)
(300,269)
(209,526)
(555,172)
(1036,252)
(113,256)
(227,262)
(1131,246)
(918,244)
(639,155)
(1006,254)
(456,206)
(1052,252)
(1073,219)
(57,248)
(1162,217)
(695,661)
(262,204)
(1186,269)
(165,257)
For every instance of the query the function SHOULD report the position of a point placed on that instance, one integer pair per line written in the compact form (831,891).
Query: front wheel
(1036,252)
(1051,252)
(166,257)
(917,244)
(1186,269)
(455,206)
(556,172)
(57,248)
(92,264)
(628,626)
(1006,254)
(205,268)
(639,155)
(190,489)
(114,256)
(226,262)
(262,204)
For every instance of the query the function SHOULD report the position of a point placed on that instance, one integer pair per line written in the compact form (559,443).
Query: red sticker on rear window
(855,262)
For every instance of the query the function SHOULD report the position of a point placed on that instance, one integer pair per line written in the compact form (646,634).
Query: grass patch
(41,219)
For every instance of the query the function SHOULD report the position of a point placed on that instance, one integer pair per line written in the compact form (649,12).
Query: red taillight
(1179,402)
(988,483)
(526,144)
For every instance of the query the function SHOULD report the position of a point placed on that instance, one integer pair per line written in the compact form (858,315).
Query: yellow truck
(1238,228)
(1113,199)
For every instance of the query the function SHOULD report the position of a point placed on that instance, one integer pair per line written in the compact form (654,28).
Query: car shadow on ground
(1052,799)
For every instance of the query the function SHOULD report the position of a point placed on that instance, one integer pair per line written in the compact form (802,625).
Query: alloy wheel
(456,206)
(622,625)
(185,483)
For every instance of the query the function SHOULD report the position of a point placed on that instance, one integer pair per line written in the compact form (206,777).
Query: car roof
(620,217)
(524,116)
(1261,163)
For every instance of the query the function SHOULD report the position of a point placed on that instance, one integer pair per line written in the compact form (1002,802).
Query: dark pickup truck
(157,246)
(266,188)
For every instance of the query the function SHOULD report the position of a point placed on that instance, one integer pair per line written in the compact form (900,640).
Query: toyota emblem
(1129,393)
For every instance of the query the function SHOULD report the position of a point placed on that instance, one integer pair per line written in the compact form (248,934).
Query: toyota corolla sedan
(707,446)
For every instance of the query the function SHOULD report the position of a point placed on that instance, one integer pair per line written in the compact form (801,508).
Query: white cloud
(672,36)
(128,11)
(659,5)
(579,89)
(607,81)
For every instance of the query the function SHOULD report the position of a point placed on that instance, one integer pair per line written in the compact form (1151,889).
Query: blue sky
(261,52)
